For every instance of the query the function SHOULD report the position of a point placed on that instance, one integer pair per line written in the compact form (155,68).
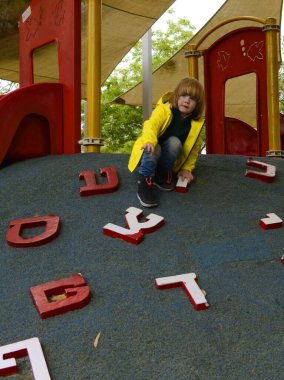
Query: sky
(198,12)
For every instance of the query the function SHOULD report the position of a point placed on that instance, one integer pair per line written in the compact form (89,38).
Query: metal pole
(94,76)
(192,58)
(271,29)
(147,74)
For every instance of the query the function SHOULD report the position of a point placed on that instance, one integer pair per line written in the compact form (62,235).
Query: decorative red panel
(237,53)
(60,22)
(31,122)
(45,118)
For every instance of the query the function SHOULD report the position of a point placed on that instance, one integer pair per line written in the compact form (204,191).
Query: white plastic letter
(267,176)
(134,232)
(188,282)
(270,221)
(32,349)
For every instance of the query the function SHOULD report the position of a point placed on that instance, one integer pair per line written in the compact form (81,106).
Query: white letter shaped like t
(188,282)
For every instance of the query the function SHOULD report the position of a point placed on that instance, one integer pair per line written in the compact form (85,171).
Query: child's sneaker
(164,180)
(145,192)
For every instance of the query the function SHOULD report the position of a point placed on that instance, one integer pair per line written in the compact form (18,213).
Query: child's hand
(149,147)
(186,174)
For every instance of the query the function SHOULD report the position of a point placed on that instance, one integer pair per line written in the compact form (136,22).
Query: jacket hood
(165,97)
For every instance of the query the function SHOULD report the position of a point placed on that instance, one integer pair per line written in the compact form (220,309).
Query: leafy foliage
(121,124)
(7,86)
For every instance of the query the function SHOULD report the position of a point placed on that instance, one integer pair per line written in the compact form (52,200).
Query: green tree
(121,124)
(7,86)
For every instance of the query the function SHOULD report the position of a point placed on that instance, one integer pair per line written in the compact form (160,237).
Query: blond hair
(193,88)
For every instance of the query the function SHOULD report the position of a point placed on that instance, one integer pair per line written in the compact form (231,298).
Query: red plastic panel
(32,349)
(271,221)
(74,288)
(135,232)
(241,138)
(31,122)
(51,224)
(60,22)
(93,188)
(188,283)
(238,53)
(267,176)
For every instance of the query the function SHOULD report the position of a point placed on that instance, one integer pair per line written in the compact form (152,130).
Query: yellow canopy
(124,22)
(168,75)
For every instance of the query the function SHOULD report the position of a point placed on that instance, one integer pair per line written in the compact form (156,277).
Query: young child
(170,141)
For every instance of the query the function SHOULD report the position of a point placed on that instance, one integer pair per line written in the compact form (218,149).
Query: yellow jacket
(156,126)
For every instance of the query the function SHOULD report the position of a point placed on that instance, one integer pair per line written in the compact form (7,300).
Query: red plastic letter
(188,282)
(76,295)
(14,238)
(93,188)
(32,349)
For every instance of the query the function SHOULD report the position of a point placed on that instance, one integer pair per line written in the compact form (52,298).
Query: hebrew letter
(182,185)
(134,233)
(76,294)
(14,238)
(271,221)
(188,282)
(92,187)
(267,176)
(32,349)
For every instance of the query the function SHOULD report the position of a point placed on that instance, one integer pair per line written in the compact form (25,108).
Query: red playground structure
(45,118)
(234,55)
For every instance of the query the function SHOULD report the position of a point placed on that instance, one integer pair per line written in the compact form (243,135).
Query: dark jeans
(165,155)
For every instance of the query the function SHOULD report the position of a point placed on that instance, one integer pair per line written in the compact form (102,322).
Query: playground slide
(31,122)
(242,139)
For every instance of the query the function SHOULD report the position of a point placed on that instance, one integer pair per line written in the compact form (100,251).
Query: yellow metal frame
(271,29)
(94,75)
(272,85)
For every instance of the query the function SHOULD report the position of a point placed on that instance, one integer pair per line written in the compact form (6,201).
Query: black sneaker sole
(147,204)
(163,188)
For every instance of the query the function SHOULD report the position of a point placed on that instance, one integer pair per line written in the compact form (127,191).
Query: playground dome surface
(147,333)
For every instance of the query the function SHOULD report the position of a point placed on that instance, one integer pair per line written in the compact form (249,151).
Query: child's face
(186,104)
